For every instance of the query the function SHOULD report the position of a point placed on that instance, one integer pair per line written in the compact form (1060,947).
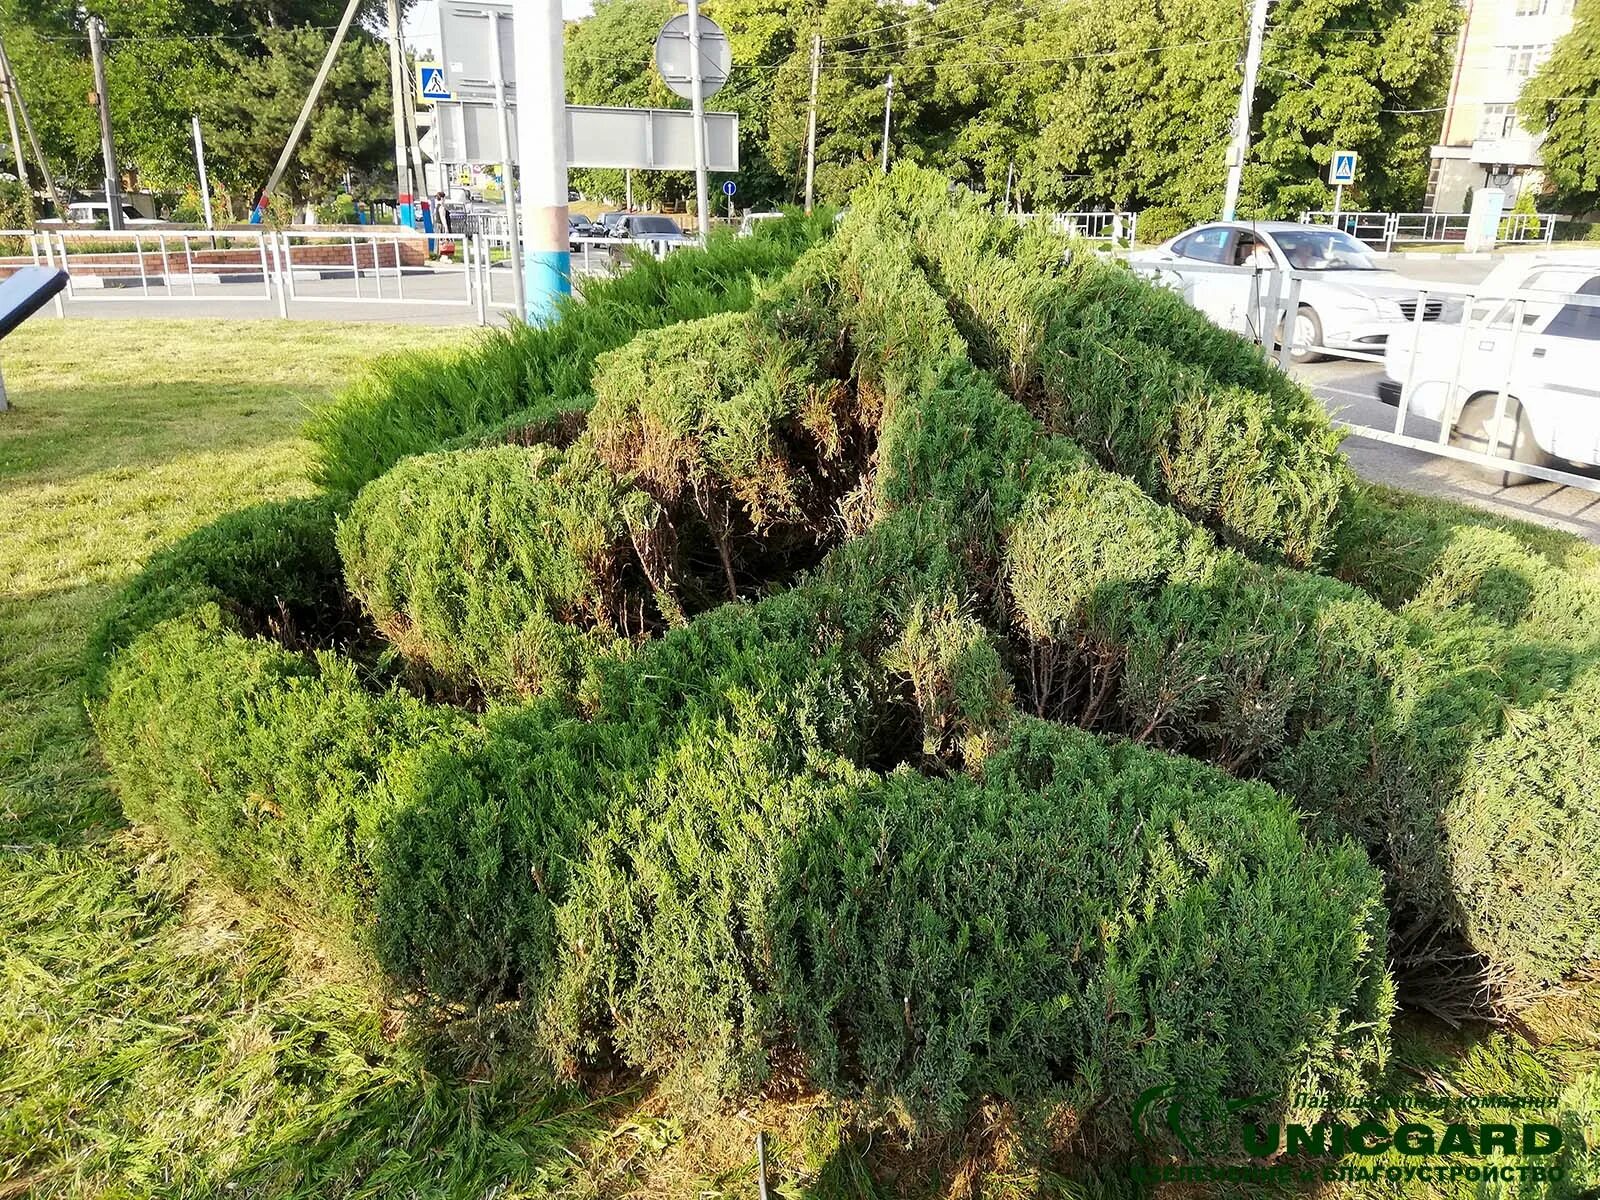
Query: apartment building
(1502,43)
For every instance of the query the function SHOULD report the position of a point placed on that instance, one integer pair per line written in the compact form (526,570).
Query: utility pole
(418,165)
(11,122)
(508,154)
(108,149)
(542,133)
(811,119)
(258,208)
(14,92)
(397,85)
(888,105)
(697,102)
(1239,147)
(200,164)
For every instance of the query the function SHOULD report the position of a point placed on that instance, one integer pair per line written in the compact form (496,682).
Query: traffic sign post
(728,190)
(694,58)
(1341,173)
(431,83)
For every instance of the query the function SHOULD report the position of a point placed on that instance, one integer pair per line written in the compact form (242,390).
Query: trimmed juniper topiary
(272,567)
(1129,371)
(415,403)
(278,770)
(804,838)
(1056,928)
(505,567)
(739,435)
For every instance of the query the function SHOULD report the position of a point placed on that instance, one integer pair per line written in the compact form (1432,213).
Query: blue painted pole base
(548,277)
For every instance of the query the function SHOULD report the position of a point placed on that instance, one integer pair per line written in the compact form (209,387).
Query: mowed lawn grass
(160,1036)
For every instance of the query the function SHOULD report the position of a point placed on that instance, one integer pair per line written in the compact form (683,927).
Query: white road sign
(645,139)
(672,55)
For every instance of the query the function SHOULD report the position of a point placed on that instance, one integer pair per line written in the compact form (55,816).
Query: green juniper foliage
(503,568)
(415,403)
(806,837)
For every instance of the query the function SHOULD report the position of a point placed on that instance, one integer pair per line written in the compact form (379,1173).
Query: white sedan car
(1347,301)
(1549,368)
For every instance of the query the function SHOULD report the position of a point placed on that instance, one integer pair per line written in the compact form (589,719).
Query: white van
(1549,368)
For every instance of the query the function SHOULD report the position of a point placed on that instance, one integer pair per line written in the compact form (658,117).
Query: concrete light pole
(697,103)
(888,106)
(108,149)
(397,85)
(811,118)
(1239,147)
(542,139)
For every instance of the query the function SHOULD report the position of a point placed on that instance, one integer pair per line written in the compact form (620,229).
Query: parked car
(611,222)
(1549,368)
(653,228)
(750,220)
(93,213)
(1347,300)
(581,227)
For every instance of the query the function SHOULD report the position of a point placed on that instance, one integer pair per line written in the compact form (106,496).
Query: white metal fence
(1391,228)
(1494,366)
(284,269)
(1118,228)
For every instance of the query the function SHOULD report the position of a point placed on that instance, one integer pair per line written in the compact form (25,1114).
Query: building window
(1499,120)
(1523,61)
(1532,8)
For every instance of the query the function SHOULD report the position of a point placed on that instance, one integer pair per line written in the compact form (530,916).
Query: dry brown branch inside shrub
(744,439)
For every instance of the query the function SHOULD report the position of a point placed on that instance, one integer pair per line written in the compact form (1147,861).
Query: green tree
(166,59)
(248,121)
(1562,101)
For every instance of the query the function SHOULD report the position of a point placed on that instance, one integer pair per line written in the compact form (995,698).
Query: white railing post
(50,261)
(278,254)
(1417,318)
(1291,315)
(1505,383)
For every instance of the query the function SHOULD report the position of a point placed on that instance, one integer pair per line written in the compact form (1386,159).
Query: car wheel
(1307,333)
(1515,441)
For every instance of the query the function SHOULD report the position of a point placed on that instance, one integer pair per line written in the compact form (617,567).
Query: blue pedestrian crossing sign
(431,83)
(729,188)
(1342,168)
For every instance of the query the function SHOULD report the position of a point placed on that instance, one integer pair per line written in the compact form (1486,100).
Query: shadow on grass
(44,439)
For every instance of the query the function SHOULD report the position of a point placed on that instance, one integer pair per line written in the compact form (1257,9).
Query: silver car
(1348,301)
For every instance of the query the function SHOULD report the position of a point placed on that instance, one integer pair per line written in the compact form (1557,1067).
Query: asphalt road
(1350,392)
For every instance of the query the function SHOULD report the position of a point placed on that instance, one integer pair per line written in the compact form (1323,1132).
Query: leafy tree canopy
(1125,103)
(1563,100)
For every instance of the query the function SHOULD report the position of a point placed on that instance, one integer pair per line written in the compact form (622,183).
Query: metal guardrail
(1114,227)
(1440,228)
(1275,295)
(277,267)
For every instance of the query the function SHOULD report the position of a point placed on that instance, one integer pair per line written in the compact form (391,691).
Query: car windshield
(655,225)
(1324,250)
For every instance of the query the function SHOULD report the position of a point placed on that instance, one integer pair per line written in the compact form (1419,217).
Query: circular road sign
(672,56)
(729,188)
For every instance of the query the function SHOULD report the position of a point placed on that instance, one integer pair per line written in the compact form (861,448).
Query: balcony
(1517,147)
